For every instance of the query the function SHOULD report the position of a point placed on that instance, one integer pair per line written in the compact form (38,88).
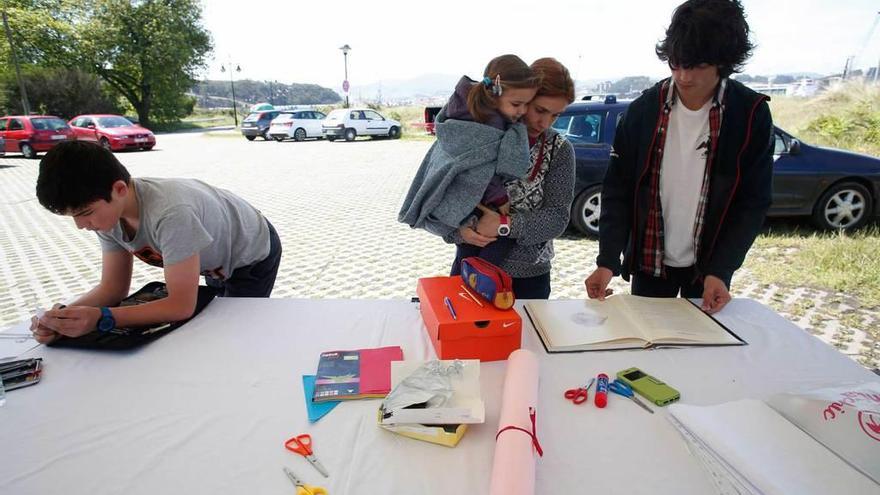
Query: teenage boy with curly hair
(185,226)
(689,181)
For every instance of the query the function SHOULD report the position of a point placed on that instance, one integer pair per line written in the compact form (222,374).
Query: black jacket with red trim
(740,188)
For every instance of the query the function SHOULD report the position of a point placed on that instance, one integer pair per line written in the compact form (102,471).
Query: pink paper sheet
(513,468)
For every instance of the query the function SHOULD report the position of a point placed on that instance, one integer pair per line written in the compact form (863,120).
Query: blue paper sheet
(316,411)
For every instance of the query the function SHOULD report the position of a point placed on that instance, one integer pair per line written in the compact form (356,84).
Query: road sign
(345,85)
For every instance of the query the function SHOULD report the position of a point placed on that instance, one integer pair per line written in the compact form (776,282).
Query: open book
(624,322)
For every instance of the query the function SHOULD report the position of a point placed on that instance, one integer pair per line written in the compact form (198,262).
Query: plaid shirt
(652,250)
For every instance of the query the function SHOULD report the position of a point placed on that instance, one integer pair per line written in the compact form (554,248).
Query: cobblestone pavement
(335,208)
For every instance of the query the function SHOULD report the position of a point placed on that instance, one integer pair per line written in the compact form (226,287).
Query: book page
(674,320)
(580,323)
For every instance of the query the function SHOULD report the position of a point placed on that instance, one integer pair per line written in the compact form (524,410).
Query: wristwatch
(504,226)
(107,322)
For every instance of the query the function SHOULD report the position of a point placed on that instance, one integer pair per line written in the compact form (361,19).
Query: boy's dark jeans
(678,280)
(256,280)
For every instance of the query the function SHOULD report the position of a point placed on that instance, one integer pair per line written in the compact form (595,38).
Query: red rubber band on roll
(532,433)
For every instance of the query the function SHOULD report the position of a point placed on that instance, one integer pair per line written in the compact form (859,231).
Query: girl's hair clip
(493,86)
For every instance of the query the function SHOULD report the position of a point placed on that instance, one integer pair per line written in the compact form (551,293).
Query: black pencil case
(122,338)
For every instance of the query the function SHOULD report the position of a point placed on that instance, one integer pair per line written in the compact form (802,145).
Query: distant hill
(432,88)
(211,94)
(425,86)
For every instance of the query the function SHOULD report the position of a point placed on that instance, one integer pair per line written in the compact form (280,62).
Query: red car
(31,134)
(113,132)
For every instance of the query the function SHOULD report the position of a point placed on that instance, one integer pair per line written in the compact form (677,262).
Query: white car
(299,125)
(349,123)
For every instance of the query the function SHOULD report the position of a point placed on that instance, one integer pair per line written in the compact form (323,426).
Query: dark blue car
(838,189)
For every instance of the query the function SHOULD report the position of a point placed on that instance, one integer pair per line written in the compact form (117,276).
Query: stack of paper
(355,374)
(747,447)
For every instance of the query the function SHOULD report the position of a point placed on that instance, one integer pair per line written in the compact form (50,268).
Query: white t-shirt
(681,177)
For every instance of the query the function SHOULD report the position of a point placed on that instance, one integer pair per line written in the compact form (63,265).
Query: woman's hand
(489,222)
(471,236)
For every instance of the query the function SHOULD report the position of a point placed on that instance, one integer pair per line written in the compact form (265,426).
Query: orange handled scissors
(302,488)
(579,395)
(302,445)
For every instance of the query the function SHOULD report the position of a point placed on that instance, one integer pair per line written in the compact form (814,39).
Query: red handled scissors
(579,395)
(302,445)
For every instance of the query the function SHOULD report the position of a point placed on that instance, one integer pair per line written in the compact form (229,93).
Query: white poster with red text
(845,419)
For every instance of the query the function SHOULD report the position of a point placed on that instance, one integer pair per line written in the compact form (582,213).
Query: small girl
(479,147)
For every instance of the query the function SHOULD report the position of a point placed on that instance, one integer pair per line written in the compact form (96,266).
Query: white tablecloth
(206,409)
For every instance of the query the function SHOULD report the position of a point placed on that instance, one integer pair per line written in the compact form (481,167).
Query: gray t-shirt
(181,217)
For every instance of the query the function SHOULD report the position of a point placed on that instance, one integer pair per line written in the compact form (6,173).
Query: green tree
(148,50)
(43,30)
(40,30)
(58,91)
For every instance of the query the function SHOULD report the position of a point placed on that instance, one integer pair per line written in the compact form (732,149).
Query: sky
(298,40)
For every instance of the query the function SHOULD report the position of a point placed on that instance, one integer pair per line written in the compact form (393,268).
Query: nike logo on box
(505,325)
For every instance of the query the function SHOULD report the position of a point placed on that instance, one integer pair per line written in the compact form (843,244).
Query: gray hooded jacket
(457,169)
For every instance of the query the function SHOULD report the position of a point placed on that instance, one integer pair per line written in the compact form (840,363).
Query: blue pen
(450,308)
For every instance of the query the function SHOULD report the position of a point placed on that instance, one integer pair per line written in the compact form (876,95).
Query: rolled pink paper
(513,468)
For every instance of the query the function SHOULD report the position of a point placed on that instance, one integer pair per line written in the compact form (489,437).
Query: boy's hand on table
(42,333)
(72,321)
(597,283)
(715,294)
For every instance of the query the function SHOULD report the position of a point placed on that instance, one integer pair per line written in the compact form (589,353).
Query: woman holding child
(539,201)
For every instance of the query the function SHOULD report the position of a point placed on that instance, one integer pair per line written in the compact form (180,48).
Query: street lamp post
(345,49)
(232,83)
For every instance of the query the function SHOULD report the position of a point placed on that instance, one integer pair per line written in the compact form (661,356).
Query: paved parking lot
(335,208)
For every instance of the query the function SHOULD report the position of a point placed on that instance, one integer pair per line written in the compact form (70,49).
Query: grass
(795,256)
(200,119)
(846,116)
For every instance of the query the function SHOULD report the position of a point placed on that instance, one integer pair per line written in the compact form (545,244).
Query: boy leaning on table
(183,225)
(691,170)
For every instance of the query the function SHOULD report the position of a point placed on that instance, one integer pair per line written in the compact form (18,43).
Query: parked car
(299,125)
(837,189)
(257,124)
(349,123)
(32,134)
(430,116)
(113,132)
